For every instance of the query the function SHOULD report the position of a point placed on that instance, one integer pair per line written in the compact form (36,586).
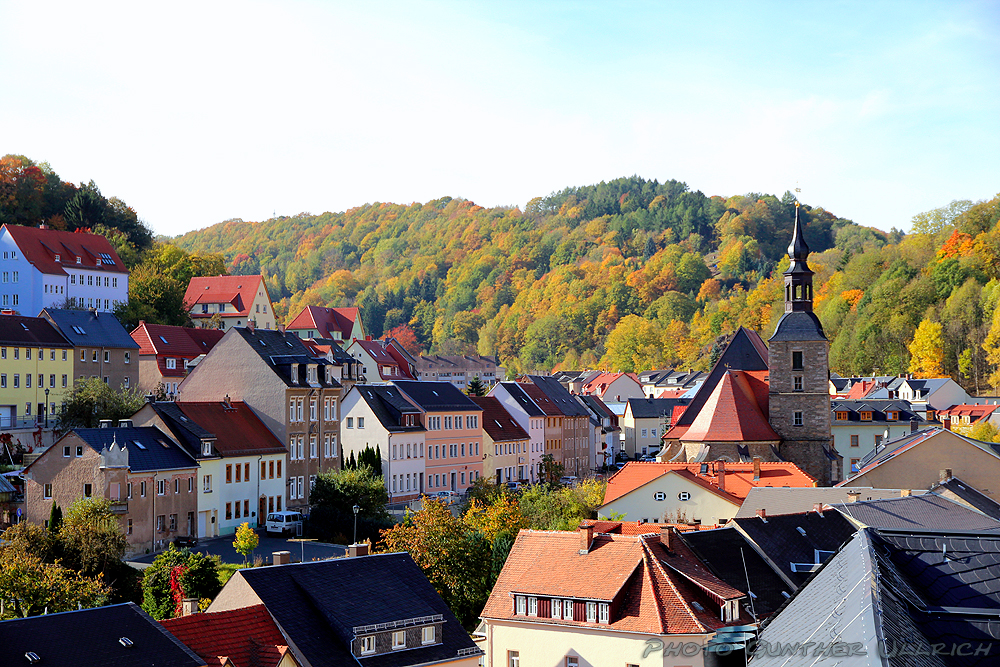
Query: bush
(178,573)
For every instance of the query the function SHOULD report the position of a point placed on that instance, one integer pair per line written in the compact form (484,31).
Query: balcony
(119,507)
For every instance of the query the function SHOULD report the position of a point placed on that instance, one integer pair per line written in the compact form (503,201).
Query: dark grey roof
(734,560)
(281,351)
(91,328)
(528,405)
(389,406)
(148,447)
(889,449)
(559,395)
(798,325)
(789,500)
(795,538)
(655,407)
(969,495)
(184,430)
(436,396)
(928,512)
(319,604)
(30,332)
(91,638)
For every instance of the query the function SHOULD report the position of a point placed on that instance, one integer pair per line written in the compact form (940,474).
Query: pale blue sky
(195,112)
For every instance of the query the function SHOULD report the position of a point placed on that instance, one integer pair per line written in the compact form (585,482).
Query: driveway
(223,547)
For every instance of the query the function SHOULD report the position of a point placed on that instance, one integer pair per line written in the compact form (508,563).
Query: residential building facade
(224,302)
(529,417)
(859,426)
(340,324)
(102,347)
(645,422)
(459,370)
(164,354)
(36,370)
(505,443)
(570,423)
(382,361)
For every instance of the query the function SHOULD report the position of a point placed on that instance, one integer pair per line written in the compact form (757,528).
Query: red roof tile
(171,341)
(974,412)
(247,636)
(544,403)
(40,247)
(238,430)
(326,321)
(738,477)
(497,422)
(736,411)
(237,290)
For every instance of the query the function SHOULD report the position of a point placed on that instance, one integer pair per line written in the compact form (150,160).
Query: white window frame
(428,635)
(398,640)
(520,605)
(591,612)
(368,645)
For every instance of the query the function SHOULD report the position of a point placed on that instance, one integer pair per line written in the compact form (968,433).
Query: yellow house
(36,370)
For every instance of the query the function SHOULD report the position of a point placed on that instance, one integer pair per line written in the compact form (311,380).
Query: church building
(767,402)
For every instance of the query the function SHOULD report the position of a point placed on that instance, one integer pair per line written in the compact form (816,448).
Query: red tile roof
(237,290)
(641,527)
(974,412)
(238,430)
(40,247)
(735,411)
(248,636)
(599,384)
(175,342)
(738,477)
(672,393)
(497,422)
(656,590)
(326,321)
(384,355)
(861,389)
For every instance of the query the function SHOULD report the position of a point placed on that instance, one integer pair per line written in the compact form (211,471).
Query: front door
(261,511)
(454,478)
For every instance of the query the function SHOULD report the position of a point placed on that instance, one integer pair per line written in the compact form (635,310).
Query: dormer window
(398,640)
(841,415)
(98,261)
(206,448)
(891,415)
(295,373)
(79,260)
(171,364)
(57,258)
(368,645)
(311,373)
(866,415)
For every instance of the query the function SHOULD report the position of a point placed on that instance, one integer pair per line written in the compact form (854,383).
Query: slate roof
(774,500)
(18,330)
(878,408)
(969,495)
(148,447)
(436,396)
(893,448)
(659,591)
(738,477)
(599,412)
(318,605)
(238,430)
(798,325)
(559,396)
(645,408)
(734,560)
(240,291)
(516,391)
(388,405)
(248,636)
(91,638)
(736,411)
(326,320)
(795,538)
(40,247)
(90,328)
(185,431)
(928,511)
(497,422)
(280,351)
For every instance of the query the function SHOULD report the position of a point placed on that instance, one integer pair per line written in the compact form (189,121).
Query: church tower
(799,373)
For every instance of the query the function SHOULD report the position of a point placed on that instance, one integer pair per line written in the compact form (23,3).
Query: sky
(198,112)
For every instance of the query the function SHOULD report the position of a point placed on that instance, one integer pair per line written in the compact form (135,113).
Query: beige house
(102,347)
(506,444)
(224,302)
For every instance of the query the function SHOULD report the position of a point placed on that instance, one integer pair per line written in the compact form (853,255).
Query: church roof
(736,411)
(798,325)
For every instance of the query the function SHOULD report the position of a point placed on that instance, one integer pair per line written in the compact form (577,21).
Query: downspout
(152,525)
(259,457)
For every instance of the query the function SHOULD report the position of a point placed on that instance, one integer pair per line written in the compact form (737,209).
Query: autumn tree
(405,336)
(927,350)
(196,574)
(32,587)
(246,540)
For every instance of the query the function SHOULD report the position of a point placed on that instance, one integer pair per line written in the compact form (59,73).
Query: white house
(530,418)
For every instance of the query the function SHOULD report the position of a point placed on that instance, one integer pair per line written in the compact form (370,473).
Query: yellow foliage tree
(927,350)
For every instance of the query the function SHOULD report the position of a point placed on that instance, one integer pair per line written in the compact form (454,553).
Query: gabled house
(645,422)
(692,493)
(242,464)
(859,426)
(164,353)
(102,347)
(122,635)
(529,417)
(567,420)
(504,441)
(224,302)
(453,434)
(365,610)
(43,267)
(382,361)
(966,415)
(148,477)
(614,387)
(35,371)
(606,439)
(293,393)
(675,383)
(587,598)
(379,416)
(459,370)
(339,324)
(245,637)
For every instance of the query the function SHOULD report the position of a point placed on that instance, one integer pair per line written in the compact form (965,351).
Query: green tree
(561,508)
(198,578)
(246,540)
(55,518)
(31,586)
(92,542)
(92,400)
(552,470)
(334,496)
(476,387)
(153,296)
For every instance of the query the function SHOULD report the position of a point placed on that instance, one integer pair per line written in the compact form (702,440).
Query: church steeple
(798,277)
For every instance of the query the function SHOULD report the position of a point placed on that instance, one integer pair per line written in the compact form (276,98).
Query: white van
(284,522)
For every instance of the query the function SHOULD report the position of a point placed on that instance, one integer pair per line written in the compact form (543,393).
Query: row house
(339,324)
(149,479)
(506,444)
(42,267)
(567,424)
(460,370)
(529,417)
(242,464)
(102,347)
(224,302)
(382,361)
(35,371)
(645,421)
(604,422)
(453,437)
(293,393)
(380,417)
(166,351)
(859,426)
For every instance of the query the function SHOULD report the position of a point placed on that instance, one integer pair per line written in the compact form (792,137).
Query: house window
(797,364)
(229,511)
(190,484)
(866,415)
(142,489)
(532,606)
(128,357)
(398,639)
(841,415)
(350,422)
(278,474)
(892,416)
(427,635)
(271,470)
(173,522)
(361,422)
(854,441)
(107,356)
(556,609)
(160,521)
(238,515)
(513,659)
(66,451)
(312,446)
(239,473)
(572,661)
(206,483)
(79,451)
(520,605)
(229,474)
(128,528)
(298,410)
(312,409)
(246,472)
(797,383)
(263,469)
(47,491)
(161,487)
(177,485)
(797,418)
(65,381)
(602,612)
(855,465)
(291,410)
(367,644)
(171,363)
(206,449)
(591,612)
(128,491)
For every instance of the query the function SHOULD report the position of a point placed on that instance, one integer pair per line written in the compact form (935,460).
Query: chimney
(368,338)
(852,496)
(944,475)
(586,537)
(189,606)
(946,422)
(281,329)
(281,557)
(251,325)
(665,532)
(762,513)
(756,468)
(43,226)
(818,508)
(904,493)
(357,549)
(913,425)
(721,472)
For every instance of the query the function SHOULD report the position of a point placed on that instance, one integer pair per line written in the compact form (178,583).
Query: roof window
(164,340)
(79,330)
(139,445)
(107,258)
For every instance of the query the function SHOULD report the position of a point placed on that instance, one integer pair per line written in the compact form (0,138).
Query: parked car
(568,480)
(621,457)
(515,485)
(284,522)
(186,541)
(447,497)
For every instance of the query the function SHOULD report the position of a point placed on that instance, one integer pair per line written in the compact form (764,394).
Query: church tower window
(797,418)
(797,364)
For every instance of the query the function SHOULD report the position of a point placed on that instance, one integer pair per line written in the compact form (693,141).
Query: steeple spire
(798,277)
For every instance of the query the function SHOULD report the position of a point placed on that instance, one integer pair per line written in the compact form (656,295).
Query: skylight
(107,258)
(164,340)
(139,444)
(79,330)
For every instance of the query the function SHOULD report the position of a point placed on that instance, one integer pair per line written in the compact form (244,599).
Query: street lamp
(356,510)
(46,407)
